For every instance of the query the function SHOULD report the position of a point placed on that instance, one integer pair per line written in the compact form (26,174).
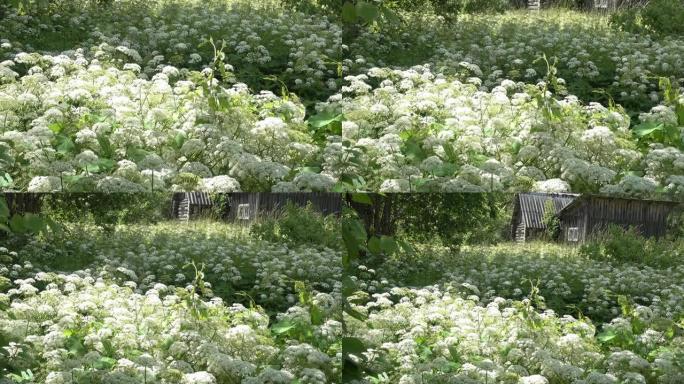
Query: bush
(627,245)
(664,17)
(105,210)
(298,226)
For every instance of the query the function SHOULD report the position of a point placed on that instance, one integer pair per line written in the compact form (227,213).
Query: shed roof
(198,198)
(531,205)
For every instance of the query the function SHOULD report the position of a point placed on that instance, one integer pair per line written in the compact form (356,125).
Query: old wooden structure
(247,207)
(188,205)
(600,5)
(529,211)
(588,215)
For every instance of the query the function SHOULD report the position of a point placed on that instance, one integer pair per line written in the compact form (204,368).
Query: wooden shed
(600,5)
(529,212)
(590,214)
(249,206)
(188,205)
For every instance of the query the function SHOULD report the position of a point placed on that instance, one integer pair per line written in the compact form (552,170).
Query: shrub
(298,226)
(664,17)
(627,245)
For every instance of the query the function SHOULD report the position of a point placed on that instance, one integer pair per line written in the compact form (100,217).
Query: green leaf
(455,356)
(354,238)
(33,223)
(179,140)
(4,209)
(105,146)
(5,228)
(361,198)
(388,245)
(348,286)
(353,346)
(317,315)
(325,118)
(367,11)
(391,16)
(16,223)
(136,154)
(374,246)
(355,314)
(310,169)
(606,336)
(105,363)
(282,327)
(413,150)
(105,164)
(647,128)
(348,12)
(65,145)
(56,127)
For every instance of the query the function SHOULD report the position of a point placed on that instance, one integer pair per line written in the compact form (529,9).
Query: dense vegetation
(606,312)
(230,95)
(151,303)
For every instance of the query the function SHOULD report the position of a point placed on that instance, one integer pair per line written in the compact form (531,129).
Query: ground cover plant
(510,314)
(232,95)
(168,303)
(158,95)
(608,311)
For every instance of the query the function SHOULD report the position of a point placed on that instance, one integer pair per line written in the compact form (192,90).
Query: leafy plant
(298,225)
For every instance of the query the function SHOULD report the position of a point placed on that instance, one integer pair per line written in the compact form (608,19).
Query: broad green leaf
(136,154)
(310,169)
(16,223)
(56,127)
(105,363)
(325,118)
(65,144)
(355,314)
(353,346)
(388,245)
(455,356)
(367,11)
(413,150)
(348,12)
(362,198)
(105,164)
(53,225)
(33,223)
(179,140)
(282,327)
(647,128)
(606,336)
(4,209)
(105,146)
(317,315)
(391,16)
(348,286)
(5,228)
(374,245)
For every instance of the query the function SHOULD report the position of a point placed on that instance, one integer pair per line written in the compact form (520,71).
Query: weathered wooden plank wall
(264,203)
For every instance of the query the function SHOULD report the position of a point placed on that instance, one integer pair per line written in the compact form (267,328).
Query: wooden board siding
(19,202)
(593,214)
(263,203)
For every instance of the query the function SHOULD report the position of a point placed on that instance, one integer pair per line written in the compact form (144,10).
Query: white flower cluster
(504,48)
(415,130)
(135,134)
(480,324)
(134,313)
